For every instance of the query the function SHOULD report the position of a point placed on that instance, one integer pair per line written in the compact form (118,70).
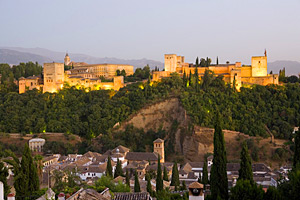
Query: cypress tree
(219,180)
(205,173)
(3,179)
(245,171)
(296,160)
(119,170)
(175,176)
(183,185)
(184,79)
(165,177)
(149,186)
(127,178)
(109,168)
(190,78)
(217,60)
(30,174)
(137,187)
(159,181)
(197,62)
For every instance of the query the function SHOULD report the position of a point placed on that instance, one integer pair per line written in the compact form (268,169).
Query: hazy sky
(234,30)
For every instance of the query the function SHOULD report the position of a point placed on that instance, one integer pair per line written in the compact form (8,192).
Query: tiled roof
(140,156)
(260,167)
(195,185)
(233,166)
(132,196)
(158,140)
(196,164)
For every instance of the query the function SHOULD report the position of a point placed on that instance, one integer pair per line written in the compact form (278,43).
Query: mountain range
(15,55)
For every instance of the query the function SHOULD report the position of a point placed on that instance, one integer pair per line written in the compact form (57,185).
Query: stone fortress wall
(242,75)
(81,75)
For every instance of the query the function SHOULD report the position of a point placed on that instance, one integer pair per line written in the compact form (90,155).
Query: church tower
(159,148)
(67,59)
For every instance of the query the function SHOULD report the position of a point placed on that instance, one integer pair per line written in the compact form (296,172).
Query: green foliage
(159,180)
(26,180)
(218,177)
(205,173)
(272,194)
(245,171)
(245,190)
(175,176)
(137,187)
(108,171)
(107,182)
(3,179)
(139,74)
(296,160)
(165,174)
(119,170)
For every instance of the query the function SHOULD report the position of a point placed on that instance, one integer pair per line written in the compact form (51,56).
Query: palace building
(81,75)
(256,73)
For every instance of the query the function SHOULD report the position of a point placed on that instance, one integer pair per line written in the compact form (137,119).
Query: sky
(233,30)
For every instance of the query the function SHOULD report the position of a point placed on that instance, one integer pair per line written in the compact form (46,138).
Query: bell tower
(159,148)
(196,191)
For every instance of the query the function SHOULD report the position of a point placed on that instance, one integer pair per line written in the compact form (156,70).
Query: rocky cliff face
(192,142)
(159,115)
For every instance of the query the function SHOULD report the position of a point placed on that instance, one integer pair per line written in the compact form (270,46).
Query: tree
(109,168)
(296,160)
(26,180)
(272,194)
(29,172)
(197,62)
(183,187)
(205,173)
(165,176)
(175,176)
(159,180)
(245,190)
(127,178)
(217,60)
(136,183)
(218,179)
(119,170)
(149,186)
(3,179)
(245,171)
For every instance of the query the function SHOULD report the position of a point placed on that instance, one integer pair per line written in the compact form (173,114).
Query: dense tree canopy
(89,114)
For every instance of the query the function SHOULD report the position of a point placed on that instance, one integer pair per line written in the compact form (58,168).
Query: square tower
(259,66)
(158,147)
(53,77)
(172,61)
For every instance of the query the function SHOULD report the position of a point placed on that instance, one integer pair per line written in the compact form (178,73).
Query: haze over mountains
(15,55)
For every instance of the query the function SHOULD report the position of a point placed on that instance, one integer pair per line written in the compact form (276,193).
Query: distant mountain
(45,55)
(291,67)
(15,57)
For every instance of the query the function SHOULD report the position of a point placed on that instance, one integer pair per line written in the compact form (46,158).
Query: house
(47,161)
(92,172)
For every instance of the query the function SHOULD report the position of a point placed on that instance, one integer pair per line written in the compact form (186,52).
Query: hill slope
(194,143)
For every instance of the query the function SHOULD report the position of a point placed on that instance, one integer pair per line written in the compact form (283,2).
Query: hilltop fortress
(256,73)
(80,74)
(83,75)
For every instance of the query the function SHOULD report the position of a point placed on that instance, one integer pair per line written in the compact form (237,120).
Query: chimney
(61,196)
(11,196)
